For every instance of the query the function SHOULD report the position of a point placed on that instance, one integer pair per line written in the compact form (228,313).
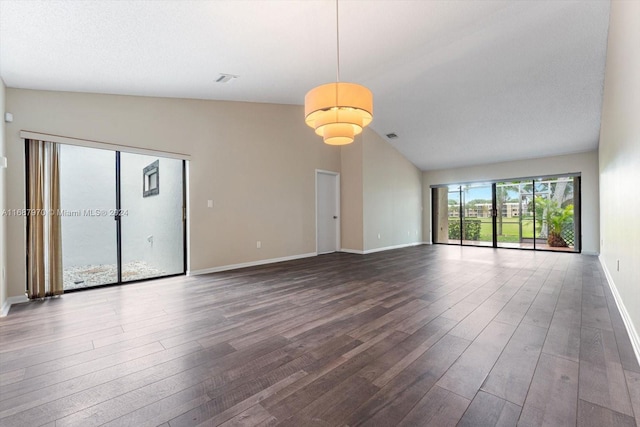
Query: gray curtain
(44,231)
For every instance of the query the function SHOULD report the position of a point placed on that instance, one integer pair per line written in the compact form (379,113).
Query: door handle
(335,217)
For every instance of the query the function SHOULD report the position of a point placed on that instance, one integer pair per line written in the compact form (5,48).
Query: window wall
(536,213)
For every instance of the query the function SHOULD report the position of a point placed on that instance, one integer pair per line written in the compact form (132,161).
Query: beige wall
(392,196)
(620,161)
(351,196)
(3,181)
(256,162)
(585,163)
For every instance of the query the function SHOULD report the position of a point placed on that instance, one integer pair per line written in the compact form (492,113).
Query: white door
(327,207)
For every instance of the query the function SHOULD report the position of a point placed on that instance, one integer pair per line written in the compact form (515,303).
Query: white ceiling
(460,82)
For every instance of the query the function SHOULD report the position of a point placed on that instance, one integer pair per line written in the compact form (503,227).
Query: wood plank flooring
(423,336)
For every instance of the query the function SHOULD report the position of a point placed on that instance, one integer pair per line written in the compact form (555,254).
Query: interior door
(327,206)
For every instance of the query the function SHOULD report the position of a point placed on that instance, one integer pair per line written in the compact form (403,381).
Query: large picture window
(535,213)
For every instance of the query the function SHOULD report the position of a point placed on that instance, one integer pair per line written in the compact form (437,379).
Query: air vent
(392,136)
(224,78)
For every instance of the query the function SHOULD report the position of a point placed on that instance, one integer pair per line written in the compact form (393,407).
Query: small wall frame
(151,179)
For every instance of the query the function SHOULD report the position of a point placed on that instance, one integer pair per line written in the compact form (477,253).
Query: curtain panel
(44,228)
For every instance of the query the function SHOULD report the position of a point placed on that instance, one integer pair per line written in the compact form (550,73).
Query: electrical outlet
(258,244)
(378,236)
(209,203)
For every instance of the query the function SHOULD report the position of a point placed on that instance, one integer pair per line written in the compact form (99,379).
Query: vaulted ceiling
(460,82)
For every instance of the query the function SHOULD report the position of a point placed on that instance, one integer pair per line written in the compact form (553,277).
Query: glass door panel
(542,212)
(527,220)
(440,197)
(88,204)
(151,217)
(514,222)
(454,215)
(555,214)
(446,215)
(477,213)
(562,225)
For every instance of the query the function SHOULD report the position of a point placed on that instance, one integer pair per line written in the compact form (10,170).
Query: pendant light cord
(337,43)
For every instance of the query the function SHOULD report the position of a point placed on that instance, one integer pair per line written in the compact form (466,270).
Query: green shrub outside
(471,229)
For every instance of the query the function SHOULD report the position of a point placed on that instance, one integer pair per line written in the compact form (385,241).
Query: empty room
(319,213)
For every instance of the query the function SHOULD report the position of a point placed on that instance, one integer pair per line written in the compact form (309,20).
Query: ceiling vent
(224,78)
(392,136)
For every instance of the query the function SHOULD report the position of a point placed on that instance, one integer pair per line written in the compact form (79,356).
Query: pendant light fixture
(338,111)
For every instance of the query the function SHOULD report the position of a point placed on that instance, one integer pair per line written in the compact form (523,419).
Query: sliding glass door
(463,215)
(555,213)
(88,203)
(152,216)
(539,213)
(447,214)
(514,218)
(123,217)
(477,214)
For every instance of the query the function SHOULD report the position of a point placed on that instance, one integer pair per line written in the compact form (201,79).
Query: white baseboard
(10,301)
(426,243)
(248,264)
(289,258)
(631,330)
(388,248)
(352,251)
(590,253)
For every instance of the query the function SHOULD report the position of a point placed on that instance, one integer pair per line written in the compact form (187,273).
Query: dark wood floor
(431,335)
